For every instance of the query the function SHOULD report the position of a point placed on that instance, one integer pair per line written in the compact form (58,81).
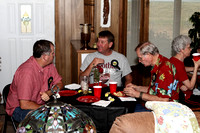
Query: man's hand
(97,61)
(44,96)
(130,91)
(133,86)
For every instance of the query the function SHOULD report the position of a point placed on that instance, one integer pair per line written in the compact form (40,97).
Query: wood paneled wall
(69,15)
(114,28)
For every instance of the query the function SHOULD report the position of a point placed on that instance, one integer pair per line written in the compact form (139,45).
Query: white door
(22,22)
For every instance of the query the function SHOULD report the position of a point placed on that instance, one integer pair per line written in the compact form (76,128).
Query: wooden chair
(141,74)
(5,94)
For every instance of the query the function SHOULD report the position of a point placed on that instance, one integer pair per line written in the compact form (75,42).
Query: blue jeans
(140,108)
(19,114)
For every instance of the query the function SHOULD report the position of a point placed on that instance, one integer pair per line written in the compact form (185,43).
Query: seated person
(109,60)
(181,47)
(163,86)
(32,82)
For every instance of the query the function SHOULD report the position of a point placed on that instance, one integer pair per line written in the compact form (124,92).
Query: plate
(67,93)
(73,86)
(119,94)
(88,99)
(103,85)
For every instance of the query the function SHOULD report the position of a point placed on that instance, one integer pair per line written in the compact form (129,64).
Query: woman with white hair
(181,47)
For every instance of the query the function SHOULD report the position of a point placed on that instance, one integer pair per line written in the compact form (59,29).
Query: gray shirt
(116,73)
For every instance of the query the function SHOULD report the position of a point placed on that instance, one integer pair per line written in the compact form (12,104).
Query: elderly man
(112,63)
(32,81)
(163,86)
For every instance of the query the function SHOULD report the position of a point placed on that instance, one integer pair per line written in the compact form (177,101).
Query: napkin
(102,103)
(73,86)
(196,91)
(127,99)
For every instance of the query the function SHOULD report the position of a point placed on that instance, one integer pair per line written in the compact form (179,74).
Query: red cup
(96,83)
(100,83)
(97,91)
(113,87)
(196,56)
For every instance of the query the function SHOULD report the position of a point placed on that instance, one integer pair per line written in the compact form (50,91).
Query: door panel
(15,46)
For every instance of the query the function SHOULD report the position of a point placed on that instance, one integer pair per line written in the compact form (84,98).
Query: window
(133,29)
(166,23)
(167,19)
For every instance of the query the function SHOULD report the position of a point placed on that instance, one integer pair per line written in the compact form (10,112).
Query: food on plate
(79,91)
(119,94)
(106,94)
(111,99)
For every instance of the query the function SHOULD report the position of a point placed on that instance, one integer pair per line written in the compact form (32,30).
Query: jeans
(140,108)
(19,114)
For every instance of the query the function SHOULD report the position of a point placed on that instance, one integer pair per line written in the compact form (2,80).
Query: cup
(196,56)
(113,87)
(97,91)
(100,83)
(84,84)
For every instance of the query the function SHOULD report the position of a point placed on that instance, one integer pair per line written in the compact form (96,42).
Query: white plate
(73,86)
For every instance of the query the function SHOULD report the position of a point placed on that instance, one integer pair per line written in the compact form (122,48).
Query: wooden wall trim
(144,21)
(59,9)
(123,27)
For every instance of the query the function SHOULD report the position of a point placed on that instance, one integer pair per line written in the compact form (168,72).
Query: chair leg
(13,123)
(5,123)
(7,117)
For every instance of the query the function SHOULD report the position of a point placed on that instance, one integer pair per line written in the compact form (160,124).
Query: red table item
(88,99)
(103,85)
(97,91)
(113,87)
(67,93)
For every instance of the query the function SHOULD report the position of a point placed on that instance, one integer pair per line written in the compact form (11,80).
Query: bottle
(96,75)
(91,76)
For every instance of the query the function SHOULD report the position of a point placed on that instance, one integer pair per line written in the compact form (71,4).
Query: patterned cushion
(173,117)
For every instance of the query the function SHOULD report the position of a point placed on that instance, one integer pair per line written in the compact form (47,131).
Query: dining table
(103,110)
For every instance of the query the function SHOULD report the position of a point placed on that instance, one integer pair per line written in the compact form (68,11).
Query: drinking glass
(84,84)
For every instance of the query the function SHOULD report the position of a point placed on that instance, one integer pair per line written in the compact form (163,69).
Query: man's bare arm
(26,104)
(95,62)
(128,79)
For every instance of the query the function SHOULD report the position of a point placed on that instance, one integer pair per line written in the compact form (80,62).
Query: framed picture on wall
(105,13)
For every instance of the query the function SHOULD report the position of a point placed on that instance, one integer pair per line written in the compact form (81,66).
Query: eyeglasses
(140,58)
(102,42)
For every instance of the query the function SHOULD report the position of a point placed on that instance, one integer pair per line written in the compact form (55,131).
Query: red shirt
(181,74)
(29,80)
(163,80)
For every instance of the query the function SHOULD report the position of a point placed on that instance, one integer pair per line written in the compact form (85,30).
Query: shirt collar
(158,62)
(40,69)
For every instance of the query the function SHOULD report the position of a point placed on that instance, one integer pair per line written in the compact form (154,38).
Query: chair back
(5,93)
